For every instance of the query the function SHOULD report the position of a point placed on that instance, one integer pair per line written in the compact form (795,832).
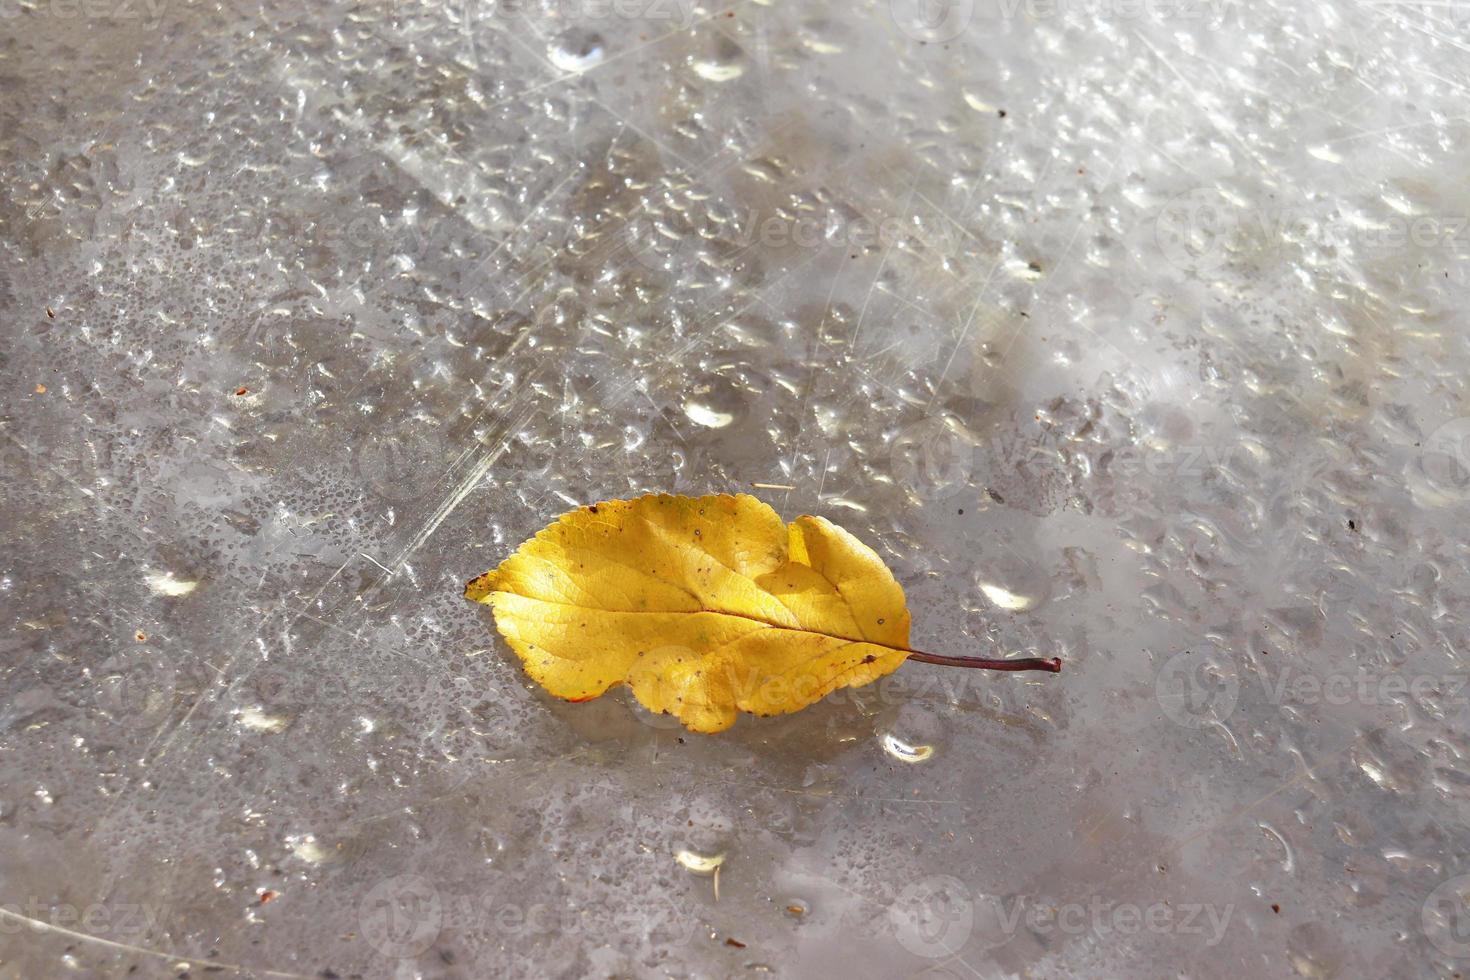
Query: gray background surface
(1128,332)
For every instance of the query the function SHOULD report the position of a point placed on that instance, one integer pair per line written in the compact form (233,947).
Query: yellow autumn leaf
(703,606)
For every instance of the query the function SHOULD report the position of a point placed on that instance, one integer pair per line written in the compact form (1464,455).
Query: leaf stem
(1051,665)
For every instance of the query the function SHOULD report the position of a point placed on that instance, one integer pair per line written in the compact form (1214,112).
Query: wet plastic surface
(1131,333)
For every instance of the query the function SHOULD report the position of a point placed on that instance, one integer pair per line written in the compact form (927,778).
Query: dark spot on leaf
(869,659)
(593,508)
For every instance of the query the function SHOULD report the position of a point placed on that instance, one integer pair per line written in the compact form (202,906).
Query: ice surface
(1128,331)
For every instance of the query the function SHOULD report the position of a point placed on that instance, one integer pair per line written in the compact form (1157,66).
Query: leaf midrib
(710,612)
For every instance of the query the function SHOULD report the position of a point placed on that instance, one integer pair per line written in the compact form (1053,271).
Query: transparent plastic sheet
(1126,332)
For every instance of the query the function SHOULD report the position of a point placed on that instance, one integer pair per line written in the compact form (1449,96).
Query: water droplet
(1013,583)
(700,864)
(903,751)
(1313,951)
(577,50)
(707,416)
(977,103)
(164,584)
(714,403)
(824,36)
(305,847)
(726,61)
(259,721)
(1006,599)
